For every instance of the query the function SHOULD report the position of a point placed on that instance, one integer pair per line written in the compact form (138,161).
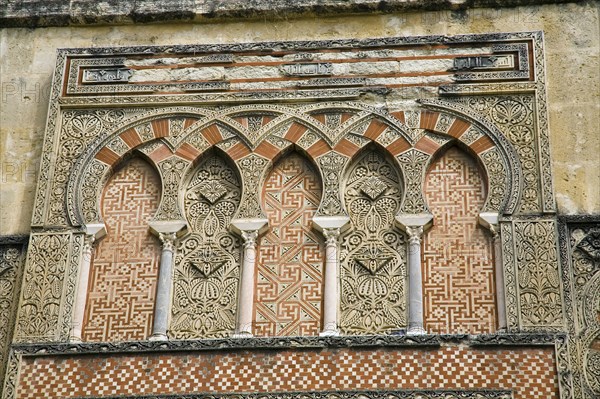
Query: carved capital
(249,237)
(168,241)
(495,230)
(414,234)
(88,244)
(331,236)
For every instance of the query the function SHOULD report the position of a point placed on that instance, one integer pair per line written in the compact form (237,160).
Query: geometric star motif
(373,187)
(373,257)
(212,190)
(208,261)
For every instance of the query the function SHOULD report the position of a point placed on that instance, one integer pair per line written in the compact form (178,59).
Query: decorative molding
(538,274)
(257,343)
(383,394)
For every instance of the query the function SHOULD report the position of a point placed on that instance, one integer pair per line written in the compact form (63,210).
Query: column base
(158,337)
(243,334)
(416,331)
(329,333)
(75,340)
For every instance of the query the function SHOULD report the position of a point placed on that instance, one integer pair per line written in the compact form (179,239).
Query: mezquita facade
(310,199)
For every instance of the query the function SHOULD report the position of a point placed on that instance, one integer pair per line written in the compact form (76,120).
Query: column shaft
(415,281)
(246,301)
(163,289)
(499,274)
(82,288)
(330,295)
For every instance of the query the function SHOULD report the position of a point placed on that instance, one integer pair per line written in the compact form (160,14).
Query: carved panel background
(207,261)
(584,247)
(538,271)
(373,268)
(41,303)
(11,269)
(124,269)
(458,265)
(291,254)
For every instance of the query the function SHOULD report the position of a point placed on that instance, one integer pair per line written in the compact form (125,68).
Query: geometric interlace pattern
(124,270)
(290,254)
(458,264)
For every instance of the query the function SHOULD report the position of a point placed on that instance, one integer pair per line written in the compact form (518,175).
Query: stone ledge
(16,239)
(373,394)
(427,340)
(44,13)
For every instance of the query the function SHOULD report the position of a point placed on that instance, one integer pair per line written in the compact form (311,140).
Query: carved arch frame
(293,125)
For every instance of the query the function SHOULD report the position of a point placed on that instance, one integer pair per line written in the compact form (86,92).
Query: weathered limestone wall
(572,49)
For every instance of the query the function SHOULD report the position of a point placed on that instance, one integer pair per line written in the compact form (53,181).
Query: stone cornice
(270,343)
(31,14)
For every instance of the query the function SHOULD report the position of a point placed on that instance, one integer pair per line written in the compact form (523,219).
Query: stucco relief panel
(373,254)
(207,261)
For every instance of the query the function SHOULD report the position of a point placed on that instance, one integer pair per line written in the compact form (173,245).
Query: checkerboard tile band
(530,372)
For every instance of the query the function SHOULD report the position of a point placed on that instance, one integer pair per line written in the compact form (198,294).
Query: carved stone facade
(304,184)
(207,263)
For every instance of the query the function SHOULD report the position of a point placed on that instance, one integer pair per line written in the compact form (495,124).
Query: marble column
(93,233)
(414,226)
(167,233)
(331,295)
(246,303)
(331,227)
(249,230)
(415,281)
(490,221)
(163,288)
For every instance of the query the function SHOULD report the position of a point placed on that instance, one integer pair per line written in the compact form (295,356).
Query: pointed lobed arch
(124,268)
(206,269)
(290,255)
(458,254)
(485,140)
(373,250)
(155,135)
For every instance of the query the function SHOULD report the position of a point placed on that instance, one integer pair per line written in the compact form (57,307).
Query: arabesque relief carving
(584,245)
(373,265)
(43,288)
(11,268)
(538,272)
(207,261)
